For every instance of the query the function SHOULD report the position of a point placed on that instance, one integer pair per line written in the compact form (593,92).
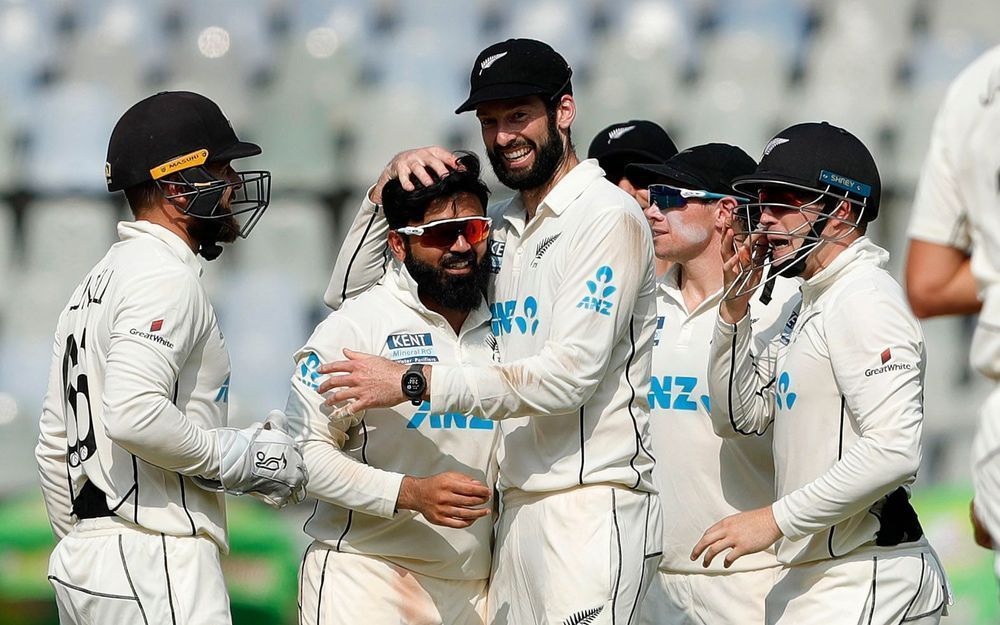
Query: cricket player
(134,453)
(573,307)
(953,265)
(843,392)
(402,524)
(702,477)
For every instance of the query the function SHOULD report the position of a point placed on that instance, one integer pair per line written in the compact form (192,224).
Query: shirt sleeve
(140,384)
(940,214)
(611,261)
(50,453)
(877,353)
(334,476)
(741,383)
(363,256)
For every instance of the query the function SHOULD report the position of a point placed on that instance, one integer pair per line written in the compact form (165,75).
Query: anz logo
(785,398)
(307,371)
(675,392)
(600,289)
(446,421)
(509,318)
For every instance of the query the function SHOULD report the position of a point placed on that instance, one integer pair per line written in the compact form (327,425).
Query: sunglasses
(445,232)
(666,196)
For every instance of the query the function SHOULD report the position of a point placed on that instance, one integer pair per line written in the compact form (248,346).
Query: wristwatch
(414,383)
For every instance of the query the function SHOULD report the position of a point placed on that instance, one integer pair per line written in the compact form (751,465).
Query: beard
(462,293)
(548,156)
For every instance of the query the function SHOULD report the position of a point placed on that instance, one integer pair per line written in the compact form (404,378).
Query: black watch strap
(414,383)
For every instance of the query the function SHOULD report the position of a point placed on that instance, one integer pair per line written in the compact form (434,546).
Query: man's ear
(397,245)
(727,206)
(565,112)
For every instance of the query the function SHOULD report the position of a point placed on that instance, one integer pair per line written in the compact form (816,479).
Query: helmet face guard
(789,263)
(250,196)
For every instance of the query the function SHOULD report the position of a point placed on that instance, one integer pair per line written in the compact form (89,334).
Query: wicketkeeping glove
(261,460)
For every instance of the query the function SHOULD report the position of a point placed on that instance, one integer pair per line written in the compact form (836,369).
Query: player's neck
(701,276)
(171,219)
(455,318)
(531,198)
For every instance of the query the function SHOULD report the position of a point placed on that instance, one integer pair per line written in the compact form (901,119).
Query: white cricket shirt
(958,194)
(356,464)
(843,388)
(703,478)
(574,311)
(140,372)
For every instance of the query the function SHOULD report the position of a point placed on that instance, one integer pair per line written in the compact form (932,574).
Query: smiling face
(523,140)
(454,274)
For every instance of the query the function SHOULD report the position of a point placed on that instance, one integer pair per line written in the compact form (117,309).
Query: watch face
(413,384)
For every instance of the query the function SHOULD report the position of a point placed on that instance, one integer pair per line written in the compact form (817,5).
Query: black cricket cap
(711,167)
(635,141)
(516,68)
(168,132)
(819,157)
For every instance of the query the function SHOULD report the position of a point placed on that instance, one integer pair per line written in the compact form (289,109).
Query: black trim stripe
(180,478)
(915,617)
(302,571)
(618,539)
(642,564)
(93,593)
(123,499)
(871,612)
(357,250)
(315,509)
(121,552)
(166,570)
(920,585)
(347,528)
(135,478)
(631,400)
(840,454)
(732,377)
(583,455)
(322,580)
(364,442)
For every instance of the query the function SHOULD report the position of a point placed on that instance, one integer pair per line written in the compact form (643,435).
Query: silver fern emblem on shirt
(583,617)
(617,133)
(489,61)
(543,247)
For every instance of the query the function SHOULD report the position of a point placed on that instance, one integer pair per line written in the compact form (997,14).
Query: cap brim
(653,172)
(240,149)
(502,91)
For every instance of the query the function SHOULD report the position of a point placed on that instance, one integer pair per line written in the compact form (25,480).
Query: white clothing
(356,463)
(140,373)
(708,599)
(701,477)
(585,555)
(109,570)
(956,197)
(574,313)
(845,398)
(583,378)
(872,586)
(339,588)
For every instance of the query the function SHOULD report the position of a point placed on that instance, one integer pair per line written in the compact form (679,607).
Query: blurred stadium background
(332,89)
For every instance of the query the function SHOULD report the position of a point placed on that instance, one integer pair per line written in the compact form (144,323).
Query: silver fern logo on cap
(618,133)
(773,143)
(489,61)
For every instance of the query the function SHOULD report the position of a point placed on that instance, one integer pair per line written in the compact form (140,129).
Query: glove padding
(261,460)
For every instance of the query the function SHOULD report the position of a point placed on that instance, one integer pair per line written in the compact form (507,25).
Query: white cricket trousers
(108,570)
(708,599)
(337,588)
(573,557)
(875,587)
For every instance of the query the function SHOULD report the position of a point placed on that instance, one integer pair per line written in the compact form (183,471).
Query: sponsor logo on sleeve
(496,255)
(601,290)
(423,417)
(308,371)
(785,397)
(223,396)
(786,334)
(886,364)
(156,326)
(410,347)
(149,336)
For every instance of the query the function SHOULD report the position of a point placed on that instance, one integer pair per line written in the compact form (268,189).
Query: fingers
(467,514)
(337,366)
(336,382)
(710,536)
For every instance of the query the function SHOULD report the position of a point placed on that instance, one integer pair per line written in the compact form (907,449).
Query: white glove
(261,460)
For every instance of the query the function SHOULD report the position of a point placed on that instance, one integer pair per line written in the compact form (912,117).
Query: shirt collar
(861,252)
(558,199)
(128,230)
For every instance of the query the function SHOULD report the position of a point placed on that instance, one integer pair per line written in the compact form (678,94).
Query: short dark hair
(402,207)
(143,196)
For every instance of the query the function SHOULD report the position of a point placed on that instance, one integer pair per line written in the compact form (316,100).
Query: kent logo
(399,341)
(506,319)
(663,394)
(496,255)
(600,289)
(785,398)
(447,420)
